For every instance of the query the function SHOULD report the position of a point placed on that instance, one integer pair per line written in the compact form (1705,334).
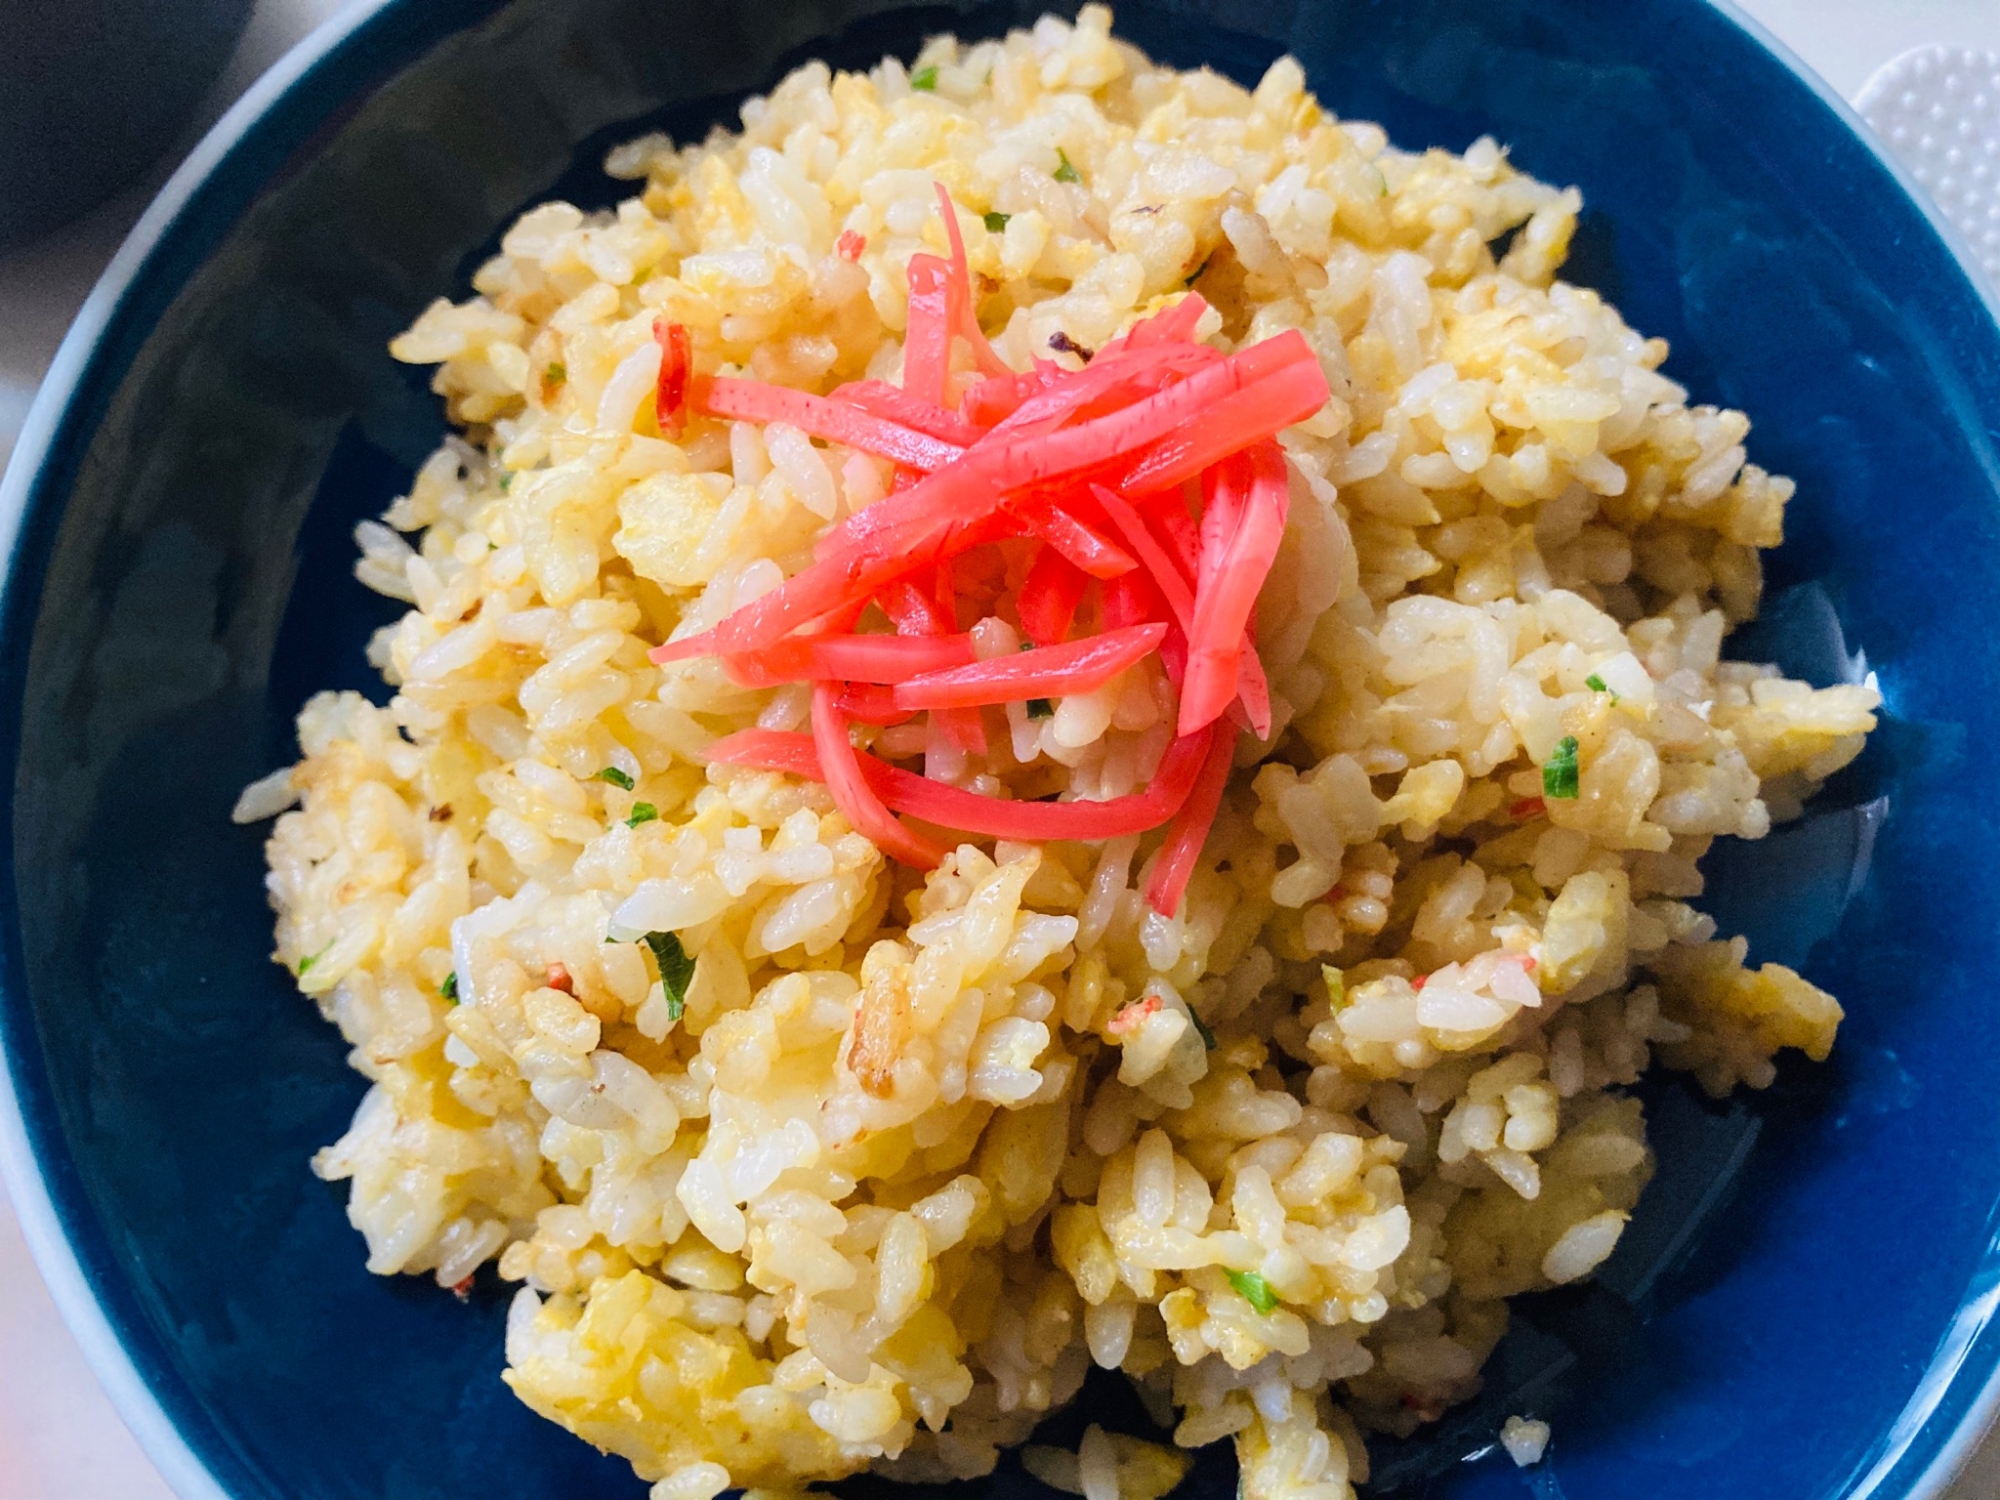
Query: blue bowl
(1804,1307)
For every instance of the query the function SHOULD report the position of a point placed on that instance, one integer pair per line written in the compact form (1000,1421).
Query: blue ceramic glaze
(1803,1306)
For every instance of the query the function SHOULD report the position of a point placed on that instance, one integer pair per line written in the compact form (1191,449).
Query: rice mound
(912,1153)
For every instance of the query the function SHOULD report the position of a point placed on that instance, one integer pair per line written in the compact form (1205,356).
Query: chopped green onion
(506,480)
(1042,708)
(555,374)
(1595,683)
(1065,171)
(616,777)
(1336,987)
(1254,1289)
(642,812)
(676,970)
(925,78)
(1201,1030)
(1559,772)
(312,958)
(449,989)
(996,223)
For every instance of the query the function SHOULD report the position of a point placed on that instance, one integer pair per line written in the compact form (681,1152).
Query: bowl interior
(1801,1307)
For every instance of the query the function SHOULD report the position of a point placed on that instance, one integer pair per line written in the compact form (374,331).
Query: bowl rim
(1944,1390)
(27,474)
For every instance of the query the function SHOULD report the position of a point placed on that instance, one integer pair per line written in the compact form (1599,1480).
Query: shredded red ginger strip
(1164,436)
(1189,831)
(1166,577)
(1049,595)
(1167,518)
(1222,610)
(913,611)
(913,412)
(964,311)
(962,726)
(1106,385)
(916,613)
(946,806)
(676,365)
(1170,585)
(933,519)
(850,245)
(1221,504)
(840,769)
(872,703)
(848,658)
(1172,325)
(1044,672)
(1085,548)
(1090,466)
(940,310)
(1246,670)
(1129,377)
(1132,599)
(1240,417)
(927,336)
(836,421)
(998,397)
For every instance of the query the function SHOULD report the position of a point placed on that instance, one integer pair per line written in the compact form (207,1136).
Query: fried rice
(910,1152)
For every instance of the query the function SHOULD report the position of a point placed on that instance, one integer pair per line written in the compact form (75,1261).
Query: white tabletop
(59,1437)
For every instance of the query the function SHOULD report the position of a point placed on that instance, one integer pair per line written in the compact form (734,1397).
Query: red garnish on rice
(954,807)
(1130,508)
(1189,830)
(1044,672)
(1420,981)
(840,765)
(898,405)
(1527,809)
(835,421)
(676,365)
(1128,1018)
(1049,596)
(556,977)
(850,245)
(849,658)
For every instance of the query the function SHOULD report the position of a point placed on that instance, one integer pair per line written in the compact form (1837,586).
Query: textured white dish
(1938,109)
